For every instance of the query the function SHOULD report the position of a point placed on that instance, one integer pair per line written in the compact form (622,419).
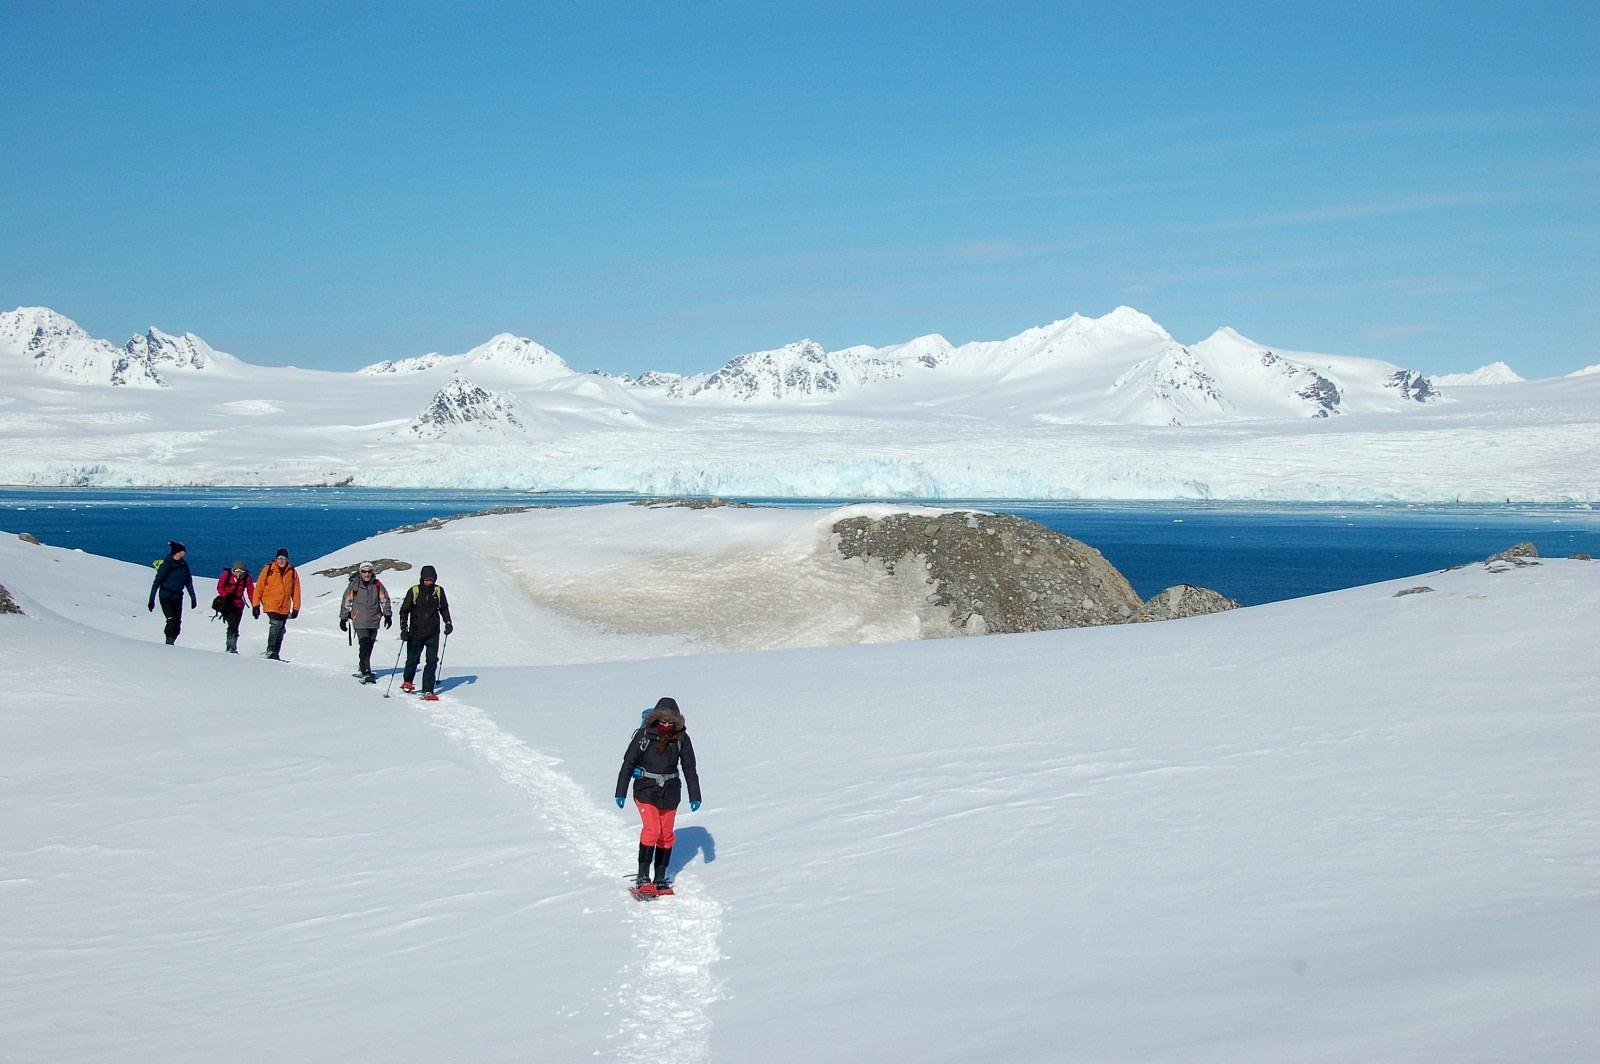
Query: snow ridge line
(664,992)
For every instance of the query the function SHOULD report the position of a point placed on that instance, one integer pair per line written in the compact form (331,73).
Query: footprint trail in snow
(664,992)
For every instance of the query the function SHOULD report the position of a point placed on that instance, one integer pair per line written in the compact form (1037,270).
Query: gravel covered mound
(1001,573)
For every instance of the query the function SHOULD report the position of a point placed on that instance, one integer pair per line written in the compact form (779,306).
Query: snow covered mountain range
(1108,407)
(60,349)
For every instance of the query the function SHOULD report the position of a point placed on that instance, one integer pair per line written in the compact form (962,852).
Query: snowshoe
(429,696)
(408,687)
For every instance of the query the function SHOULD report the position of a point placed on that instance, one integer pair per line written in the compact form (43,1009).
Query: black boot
(663,857)
(644,863)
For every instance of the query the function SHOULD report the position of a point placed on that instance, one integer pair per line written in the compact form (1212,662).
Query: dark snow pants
(172,609)
(365,637)
(414,649)
(231,616)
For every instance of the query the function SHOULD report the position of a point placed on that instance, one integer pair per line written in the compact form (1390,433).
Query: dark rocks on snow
(707,502)
(1512,558)
(28,537)
(438,522)
(1511,554)
(1000,573)
(1184,600)
(1421,589)
(379,566)
(7,603)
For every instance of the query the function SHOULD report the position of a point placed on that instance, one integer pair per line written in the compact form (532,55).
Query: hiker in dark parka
(234,587)
(173,578)
(659,759)
(423,610)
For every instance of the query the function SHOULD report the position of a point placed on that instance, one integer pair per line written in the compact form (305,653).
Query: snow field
(1350,827)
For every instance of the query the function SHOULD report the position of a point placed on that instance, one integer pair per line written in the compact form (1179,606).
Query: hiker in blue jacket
(172,580)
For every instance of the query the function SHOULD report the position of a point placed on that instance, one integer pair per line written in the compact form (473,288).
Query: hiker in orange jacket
(277,592)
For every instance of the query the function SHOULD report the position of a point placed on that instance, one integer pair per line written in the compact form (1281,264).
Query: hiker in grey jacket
(365,603)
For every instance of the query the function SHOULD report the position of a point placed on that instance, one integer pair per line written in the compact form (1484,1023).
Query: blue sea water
(1254,553)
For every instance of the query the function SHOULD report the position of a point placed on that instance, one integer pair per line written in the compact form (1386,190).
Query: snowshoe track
(664,992)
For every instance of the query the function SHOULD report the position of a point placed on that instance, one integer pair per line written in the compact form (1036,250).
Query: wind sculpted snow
(1357,826)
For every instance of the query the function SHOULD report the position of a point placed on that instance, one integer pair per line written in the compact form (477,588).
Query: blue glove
(694,807)
(619,801)
(638,772)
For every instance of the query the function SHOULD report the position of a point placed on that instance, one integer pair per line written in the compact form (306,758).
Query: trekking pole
(438,670)
(396,668)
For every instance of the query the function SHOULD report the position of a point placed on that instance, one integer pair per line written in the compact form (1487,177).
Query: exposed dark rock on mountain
(7,603)
(462,403)
(1412,385)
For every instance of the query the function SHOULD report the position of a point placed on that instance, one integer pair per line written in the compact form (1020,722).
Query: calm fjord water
(1252,552)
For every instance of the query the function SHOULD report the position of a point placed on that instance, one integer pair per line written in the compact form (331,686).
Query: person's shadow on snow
(688,843)
(450,683)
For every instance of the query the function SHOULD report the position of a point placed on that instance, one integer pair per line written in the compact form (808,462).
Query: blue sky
(664,186)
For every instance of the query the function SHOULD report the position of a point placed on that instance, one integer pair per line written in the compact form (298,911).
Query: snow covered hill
(1493,373)
(1109,407)
(1357,826)
(532,362)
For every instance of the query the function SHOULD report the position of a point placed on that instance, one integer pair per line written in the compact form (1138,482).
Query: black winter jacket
(644,751)
(422,610)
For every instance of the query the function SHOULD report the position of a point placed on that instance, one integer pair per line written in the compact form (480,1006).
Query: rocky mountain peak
(462,404)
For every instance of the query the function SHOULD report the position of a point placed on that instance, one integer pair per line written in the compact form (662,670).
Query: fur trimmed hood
(665,712)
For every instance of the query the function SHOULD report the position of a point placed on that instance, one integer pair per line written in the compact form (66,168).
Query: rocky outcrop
(7,603)
(1000,573)
(1412,385)
(463,405)
(1511,554)
(995,572)
(1184,600)
(1512,558)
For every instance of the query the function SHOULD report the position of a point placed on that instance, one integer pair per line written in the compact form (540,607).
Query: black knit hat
(283,552)
(174,547)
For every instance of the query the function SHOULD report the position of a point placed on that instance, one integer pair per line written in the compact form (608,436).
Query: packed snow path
(664,991)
